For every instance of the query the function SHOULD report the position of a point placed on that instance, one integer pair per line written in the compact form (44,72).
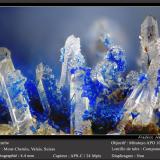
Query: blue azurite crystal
(100,83)
(142,78)
(157,114)
(134,114)
(110,70)
(102,110)
(53,99)
(157,88)
(4,116)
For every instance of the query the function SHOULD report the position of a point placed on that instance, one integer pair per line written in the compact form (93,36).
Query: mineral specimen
(105,99)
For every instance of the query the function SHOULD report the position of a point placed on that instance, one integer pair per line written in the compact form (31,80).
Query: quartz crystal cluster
(104,99)
(142,106)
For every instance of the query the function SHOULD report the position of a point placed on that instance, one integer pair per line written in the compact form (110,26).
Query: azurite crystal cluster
(104,99)
(100,86)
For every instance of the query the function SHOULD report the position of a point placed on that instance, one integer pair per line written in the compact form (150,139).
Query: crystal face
(41,70)
(14,93)
(71,57)
(106,98)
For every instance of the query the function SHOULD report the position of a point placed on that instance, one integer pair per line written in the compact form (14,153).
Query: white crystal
(78,102)
(41,70)
(6,64)
(21,118)
(72,58)
(132,79)
(149,36)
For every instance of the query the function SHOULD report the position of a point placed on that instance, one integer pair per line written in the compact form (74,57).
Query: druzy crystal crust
(104,99)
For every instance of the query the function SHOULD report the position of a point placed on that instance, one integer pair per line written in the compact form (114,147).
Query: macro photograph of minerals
(79,70)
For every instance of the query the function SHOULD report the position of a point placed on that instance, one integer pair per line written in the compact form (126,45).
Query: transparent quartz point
(20,107)
(14,93)
(40,71)
(70,54)
(72,58)
(79,104)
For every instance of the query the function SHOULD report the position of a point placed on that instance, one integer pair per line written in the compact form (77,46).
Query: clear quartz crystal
(143,100)
(148,37)
(6,64)
(40,71)
(72,58)
(14,93)
(79,103)
(4,93)
(131,79)
(19,101)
